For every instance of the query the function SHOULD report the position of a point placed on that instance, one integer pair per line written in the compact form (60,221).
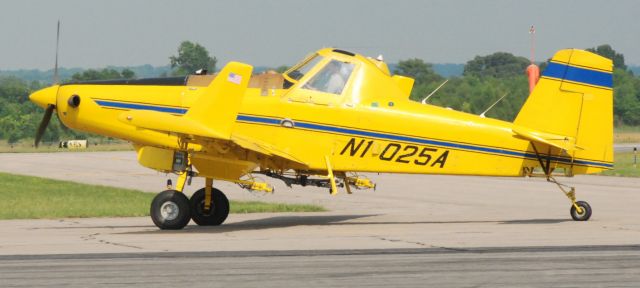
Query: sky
(97,34)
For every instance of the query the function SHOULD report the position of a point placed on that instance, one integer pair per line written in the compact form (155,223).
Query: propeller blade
(55,69)
(44,123)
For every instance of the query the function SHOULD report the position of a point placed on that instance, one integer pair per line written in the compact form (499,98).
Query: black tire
(170,210)
(586,211)
(218,212)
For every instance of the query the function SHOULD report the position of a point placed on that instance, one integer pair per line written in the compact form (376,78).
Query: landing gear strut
(580,210)
(217,211)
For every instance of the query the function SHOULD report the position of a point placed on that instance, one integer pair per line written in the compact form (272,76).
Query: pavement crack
(620,228)
(119,244)
(94,237)
(89,237)
(404,241)
(422,244)
(67,221)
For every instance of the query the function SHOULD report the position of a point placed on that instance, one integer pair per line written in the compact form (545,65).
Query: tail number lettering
(395,152)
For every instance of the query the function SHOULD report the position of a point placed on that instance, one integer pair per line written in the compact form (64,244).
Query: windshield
(331,78)
(303,67)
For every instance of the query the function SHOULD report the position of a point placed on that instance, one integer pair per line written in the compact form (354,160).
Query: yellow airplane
(333,114)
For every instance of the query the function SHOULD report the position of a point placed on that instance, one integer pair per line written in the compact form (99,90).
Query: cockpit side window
(332,78)
(298,71)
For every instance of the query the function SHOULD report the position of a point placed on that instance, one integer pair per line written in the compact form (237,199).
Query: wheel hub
(169,210)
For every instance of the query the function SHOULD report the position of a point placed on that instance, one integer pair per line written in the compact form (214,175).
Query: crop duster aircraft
(330,116)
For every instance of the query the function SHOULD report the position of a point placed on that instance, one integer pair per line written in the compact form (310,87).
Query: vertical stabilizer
(574,98)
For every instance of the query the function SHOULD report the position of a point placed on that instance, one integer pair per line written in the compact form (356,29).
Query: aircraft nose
(44,97)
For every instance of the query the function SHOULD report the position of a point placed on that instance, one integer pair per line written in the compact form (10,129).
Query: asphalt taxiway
(446,230)
(604,266)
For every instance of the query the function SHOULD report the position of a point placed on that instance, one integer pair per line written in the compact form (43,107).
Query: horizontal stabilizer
(561,142)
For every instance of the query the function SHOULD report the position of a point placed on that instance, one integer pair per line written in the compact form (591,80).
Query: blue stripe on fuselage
(379,135)
(124,105)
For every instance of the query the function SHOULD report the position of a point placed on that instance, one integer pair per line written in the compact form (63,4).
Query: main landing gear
(172,210)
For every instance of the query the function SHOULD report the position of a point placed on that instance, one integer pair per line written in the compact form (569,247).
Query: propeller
(55,68)
(48,112)
(44,123)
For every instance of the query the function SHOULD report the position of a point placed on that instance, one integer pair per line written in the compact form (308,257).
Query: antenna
(55,68)
(424,101)
(532,32)
(494,104)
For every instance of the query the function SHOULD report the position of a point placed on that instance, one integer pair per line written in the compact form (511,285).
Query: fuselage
(371,126)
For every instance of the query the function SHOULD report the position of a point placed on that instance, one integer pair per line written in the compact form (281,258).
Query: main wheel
(170,210)
(218,211)
(585,213)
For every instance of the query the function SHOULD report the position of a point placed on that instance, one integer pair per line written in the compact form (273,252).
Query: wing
(164,122)
(212,116)
(263,148)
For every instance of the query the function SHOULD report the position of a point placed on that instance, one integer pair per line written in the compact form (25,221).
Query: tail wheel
(218,211)
(585,212)
(170,210)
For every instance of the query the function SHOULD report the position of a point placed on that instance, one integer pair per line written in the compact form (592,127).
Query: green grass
(623,166)
(263,207)
(25,197)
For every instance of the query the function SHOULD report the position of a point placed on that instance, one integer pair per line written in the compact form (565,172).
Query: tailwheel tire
(218,211)
(586,211)
(170,210)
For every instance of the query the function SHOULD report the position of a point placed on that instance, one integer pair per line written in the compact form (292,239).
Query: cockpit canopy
(332,76)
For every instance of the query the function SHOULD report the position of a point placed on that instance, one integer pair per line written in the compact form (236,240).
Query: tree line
(19,118)
(485,79)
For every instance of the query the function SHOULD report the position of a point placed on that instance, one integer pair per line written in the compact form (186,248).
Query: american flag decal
(234,78)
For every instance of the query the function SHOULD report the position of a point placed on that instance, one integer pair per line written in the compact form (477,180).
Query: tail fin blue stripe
(580,75)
